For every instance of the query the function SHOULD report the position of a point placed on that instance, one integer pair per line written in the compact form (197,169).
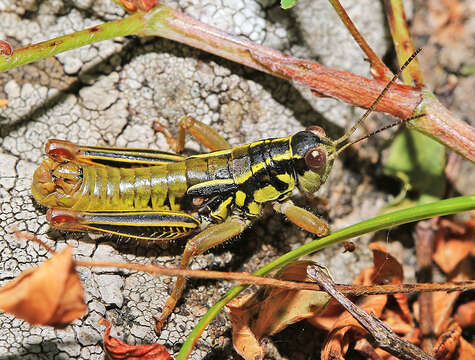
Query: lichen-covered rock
(109,93)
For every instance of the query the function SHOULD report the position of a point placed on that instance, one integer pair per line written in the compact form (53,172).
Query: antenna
(397,123)
(378,99)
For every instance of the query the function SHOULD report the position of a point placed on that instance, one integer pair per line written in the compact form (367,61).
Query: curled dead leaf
(117,349)
(465,315)
(451,345)
(447,342)
(393,309)
(270,310)
(453,243)
(346,328)
(50,294)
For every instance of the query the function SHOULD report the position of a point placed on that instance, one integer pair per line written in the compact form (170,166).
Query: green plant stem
(403,42)
(127,26)
(440,208)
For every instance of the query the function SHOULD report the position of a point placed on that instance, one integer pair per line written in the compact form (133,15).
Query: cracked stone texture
(109,93)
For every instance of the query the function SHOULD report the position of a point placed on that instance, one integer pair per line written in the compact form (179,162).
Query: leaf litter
(117,349)
(270,310)
(256,316)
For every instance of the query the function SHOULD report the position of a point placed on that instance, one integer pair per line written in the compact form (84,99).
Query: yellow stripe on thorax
(240,198)
(266,193)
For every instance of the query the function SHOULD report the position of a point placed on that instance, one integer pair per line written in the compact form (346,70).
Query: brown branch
(383,335)
(402,101)
(353,89)
(441,125)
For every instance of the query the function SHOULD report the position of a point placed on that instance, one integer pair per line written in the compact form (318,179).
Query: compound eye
(315,159)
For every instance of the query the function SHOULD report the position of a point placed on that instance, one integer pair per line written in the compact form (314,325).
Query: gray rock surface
(109,93)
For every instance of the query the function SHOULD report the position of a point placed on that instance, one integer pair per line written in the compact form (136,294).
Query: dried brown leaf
(398,323)
(347,329)
(328,317)
(466,350)
(403,304)
(443,305)
(387,270)
(50,294)
(245,341)
(363,346)
(270,310)
(344,328)
(452,244)
(465,315)
(117,349)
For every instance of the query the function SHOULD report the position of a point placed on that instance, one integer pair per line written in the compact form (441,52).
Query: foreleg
(303,218)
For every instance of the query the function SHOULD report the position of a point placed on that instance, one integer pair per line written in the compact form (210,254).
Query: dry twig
(384,337)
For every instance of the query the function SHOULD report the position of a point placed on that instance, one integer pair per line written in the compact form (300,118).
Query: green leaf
(287,4)
(418,162)
(468,70)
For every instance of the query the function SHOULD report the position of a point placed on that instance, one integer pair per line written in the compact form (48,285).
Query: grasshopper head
(55,183)
(313,153)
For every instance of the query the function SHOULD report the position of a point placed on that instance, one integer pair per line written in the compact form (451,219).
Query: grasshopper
(212,197)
